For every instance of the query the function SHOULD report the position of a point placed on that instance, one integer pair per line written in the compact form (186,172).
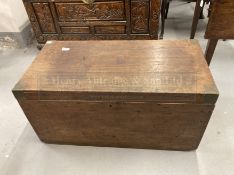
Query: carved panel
(32,18)
(44,17)
(154,18)
(97,11)
(140,16)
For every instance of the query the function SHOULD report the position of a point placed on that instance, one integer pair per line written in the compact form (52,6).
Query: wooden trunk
(103,19)
(139,94)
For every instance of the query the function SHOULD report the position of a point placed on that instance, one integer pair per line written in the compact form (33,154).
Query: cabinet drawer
(112,10)
(77,30)
(110,29)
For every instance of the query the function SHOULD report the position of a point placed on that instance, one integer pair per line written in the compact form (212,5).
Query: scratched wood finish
(138,94)
(75,20)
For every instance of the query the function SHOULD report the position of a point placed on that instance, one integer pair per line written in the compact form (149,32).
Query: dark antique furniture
(198,12)
(220,25)
(102,19)
(121,93)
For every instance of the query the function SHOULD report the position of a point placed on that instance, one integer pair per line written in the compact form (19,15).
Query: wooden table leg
(163,10)
(196,16)
(210,48)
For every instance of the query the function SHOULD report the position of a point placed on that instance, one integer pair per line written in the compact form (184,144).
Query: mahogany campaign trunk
(138,94)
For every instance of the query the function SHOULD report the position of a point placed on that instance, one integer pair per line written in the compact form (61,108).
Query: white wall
(12,15)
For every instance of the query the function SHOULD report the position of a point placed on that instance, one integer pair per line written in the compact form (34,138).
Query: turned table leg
(210,48)
(197,12)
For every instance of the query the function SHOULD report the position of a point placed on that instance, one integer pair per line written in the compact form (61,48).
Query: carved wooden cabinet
(103,19)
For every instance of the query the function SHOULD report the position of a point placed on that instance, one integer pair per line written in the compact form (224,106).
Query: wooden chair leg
(163,8)
(202,14)
(167,9)
(210,48)
(196,15)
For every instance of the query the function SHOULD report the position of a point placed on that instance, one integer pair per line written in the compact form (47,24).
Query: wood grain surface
(172,69)
(118,124)
(138,94)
